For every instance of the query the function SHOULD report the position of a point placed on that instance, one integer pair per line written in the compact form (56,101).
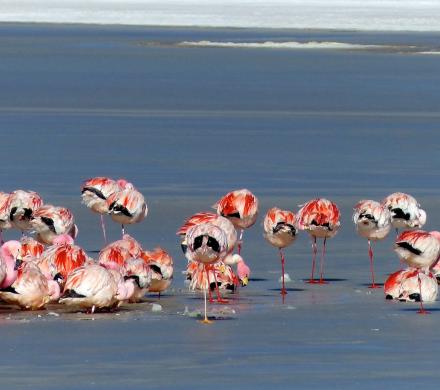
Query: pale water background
(186,125)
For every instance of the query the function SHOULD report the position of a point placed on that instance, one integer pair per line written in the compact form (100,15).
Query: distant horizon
(359,15)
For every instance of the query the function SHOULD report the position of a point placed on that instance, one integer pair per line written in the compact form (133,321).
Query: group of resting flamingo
(49,267)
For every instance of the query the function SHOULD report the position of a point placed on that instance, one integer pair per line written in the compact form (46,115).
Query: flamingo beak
(244,281)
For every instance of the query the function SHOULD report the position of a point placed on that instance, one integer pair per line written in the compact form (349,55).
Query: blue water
(186,125)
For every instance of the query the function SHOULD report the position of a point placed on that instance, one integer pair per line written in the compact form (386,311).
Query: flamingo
(31,290)
(279,231)
(420,250)
(161,265)
(140,275)
(373,222)
(404,286)
(127,207)
(241,208)
(94,194)
(207,244)
(5,223)
(91,287)
(118,252)
(10,254)
(22,205)
(222,222)
(60,259)
(320,217)
(51,221)
(405,211)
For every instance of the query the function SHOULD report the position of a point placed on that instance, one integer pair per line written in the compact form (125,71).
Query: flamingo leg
(205,320)
(321,278)
(219,297)
(1,237)
(206,268)
(103,229)
(370,254)
(422,309)
(239,241)
(123,230)
(283,289)
(314,252)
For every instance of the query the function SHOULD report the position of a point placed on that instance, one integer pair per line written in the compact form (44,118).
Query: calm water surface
(187,125)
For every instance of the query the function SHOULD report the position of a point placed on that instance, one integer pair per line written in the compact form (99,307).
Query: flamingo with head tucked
(420,250)
(241,208)
(373,222)
(320,217)
(280,231)
(207,244)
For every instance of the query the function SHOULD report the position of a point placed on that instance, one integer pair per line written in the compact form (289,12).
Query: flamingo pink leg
(321,278)
(103,228)
(422,309)
(314,252)
(219,297)
(283,289)
(370,254)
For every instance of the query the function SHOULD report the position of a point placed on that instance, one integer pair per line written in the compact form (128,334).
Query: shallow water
(186,125)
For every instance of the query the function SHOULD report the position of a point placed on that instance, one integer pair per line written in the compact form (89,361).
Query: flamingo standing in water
(22,205)
(5,223)
(320,217)
(405,211)
(420,250)
(241,208)
(127,206)
(279,231)
(207,244)
(231,235)
(94,193)
(373,222)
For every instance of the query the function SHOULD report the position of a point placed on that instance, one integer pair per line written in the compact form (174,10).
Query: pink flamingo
(31,290)
(279,231)
(10,258)
(161,264)
(94,193)
(320,217)
(223,223)
(207,244)
(241,208)
(420,250)
(22,205)
(404,286)
(405,211)
(127,207)
(373,222)
(51,221)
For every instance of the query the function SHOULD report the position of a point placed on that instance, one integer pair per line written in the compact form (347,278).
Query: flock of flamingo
(49,267)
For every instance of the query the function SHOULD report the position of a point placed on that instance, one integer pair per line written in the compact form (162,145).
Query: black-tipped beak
(18,263)
(184,248)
